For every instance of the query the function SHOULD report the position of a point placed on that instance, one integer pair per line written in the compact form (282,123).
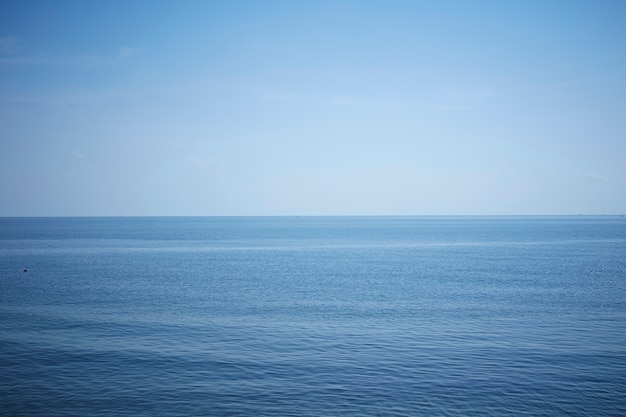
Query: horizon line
(310,215)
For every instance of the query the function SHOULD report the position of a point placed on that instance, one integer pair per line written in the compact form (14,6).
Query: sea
(313,316)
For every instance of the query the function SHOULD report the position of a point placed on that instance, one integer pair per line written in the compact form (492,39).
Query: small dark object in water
(26,270)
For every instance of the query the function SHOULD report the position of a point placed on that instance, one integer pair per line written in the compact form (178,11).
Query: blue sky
(312,107)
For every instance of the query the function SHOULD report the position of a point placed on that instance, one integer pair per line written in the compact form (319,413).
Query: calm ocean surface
(313,316)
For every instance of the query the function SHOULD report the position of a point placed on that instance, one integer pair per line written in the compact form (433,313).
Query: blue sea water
(313,316)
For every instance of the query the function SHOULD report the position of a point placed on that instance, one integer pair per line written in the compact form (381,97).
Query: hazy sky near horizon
(312,107)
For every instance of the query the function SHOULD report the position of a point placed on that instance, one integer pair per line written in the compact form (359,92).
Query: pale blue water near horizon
(313,316)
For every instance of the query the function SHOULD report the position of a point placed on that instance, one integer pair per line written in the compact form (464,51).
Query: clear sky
(312,107)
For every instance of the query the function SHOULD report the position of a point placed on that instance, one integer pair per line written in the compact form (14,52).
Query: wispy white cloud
(449,107)
(595,178)
(278,94)
(323,99)
(125,51)
(83,60)
(201,163)
(71,97)
(206,167)
(342,101)
(564,84)
(63,60)
(82,159)
(12,52)
(447,99)
(461,98)
(8,44)
(469,94)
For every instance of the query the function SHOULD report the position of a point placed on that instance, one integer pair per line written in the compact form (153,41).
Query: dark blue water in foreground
(346,316)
